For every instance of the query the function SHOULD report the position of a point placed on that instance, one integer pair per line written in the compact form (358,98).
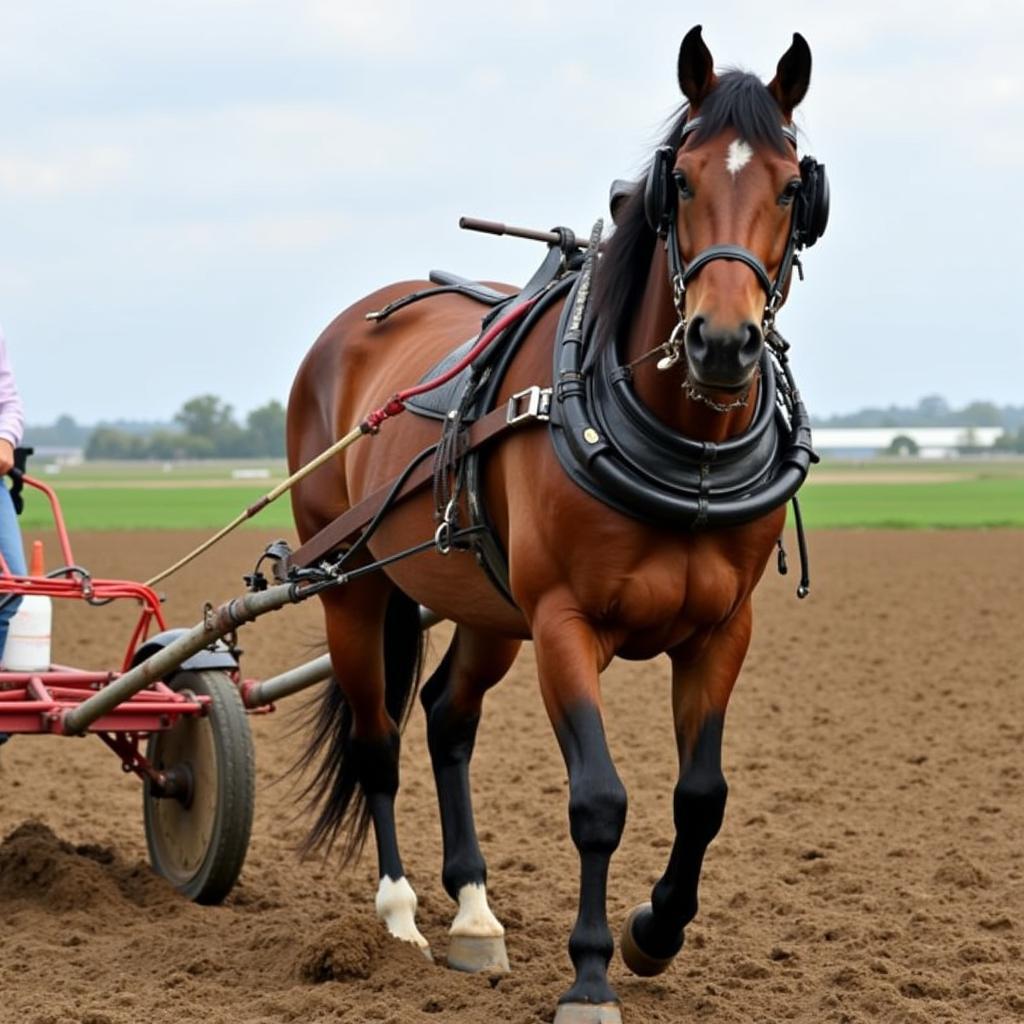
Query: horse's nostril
(696,343)
(751,347)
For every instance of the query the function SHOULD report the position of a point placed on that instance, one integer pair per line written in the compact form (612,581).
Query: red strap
(396,403)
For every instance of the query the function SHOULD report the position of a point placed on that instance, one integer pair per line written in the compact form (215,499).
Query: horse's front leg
(569,658)
(653,932)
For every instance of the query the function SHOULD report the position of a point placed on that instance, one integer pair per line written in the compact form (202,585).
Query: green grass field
(958,503)
(902,494)
(142,508)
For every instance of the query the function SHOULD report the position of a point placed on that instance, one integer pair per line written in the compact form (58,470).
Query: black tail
(334,791)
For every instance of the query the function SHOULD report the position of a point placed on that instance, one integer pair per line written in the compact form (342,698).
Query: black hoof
(633,956)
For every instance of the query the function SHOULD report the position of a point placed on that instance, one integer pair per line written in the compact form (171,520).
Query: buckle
(537,405)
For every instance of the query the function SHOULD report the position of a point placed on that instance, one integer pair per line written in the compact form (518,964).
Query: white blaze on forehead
(738,157)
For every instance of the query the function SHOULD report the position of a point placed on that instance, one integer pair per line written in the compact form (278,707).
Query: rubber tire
(222,807)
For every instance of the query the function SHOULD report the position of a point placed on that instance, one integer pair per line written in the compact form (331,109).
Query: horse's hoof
(588,1013)
(475,953)
(633,956)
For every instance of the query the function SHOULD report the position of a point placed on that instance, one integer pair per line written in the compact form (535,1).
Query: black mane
(740,101)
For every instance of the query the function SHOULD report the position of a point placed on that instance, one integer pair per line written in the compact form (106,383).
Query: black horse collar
(612,447)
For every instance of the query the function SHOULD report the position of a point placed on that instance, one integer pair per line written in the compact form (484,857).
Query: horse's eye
(789,192)
(683,185)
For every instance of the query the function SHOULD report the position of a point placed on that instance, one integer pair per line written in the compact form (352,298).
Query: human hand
(6,456)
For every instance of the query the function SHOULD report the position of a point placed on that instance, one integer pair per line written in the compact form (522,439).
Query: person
(12,426)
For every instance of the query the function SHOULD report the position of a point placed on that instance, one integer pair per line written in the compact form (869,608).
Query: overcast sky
(190,191)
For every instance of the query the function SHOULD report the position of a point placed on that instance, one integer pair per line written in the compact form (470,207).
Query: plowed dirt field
(870,869)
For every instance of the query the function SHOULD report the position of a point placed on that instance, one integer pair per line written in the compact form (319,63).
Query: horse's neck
(662,390)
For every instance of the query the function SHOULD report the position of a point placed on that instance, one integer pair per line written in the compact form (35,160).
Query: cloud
(251,167)
(71,172)
(217,237)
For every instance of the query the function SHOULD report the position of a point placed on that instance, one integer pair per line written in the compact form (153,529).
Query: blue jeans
(14,555)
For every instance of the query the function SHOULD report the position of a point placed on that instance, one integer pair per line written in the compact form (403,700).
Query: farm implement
(175,711)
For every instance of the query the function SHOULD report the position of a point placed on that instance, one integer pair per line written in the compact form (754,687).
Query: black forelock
(741,101)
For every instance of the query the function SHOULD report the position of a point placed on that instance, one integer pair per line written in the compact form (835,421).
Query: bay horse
(589,577)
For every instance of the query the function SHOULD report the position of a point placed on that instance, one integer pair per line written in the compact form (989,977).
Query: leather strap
(482,432)
(474,289)
(729,252)
(488,297)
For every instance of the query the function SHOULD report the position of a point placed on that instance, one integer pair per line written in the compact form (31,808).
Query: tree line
(930,411)
(204,428)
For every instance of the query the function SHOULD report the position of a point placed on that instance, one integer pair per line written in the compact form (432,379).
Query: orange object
(37,567)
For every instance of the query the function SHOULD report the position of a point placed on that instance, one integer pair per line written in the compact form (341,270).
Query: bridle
(806,224)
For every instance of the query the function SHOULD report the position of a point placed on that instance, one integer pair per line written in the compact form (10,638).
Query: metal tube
(216,623)
(70,677)
(266,691)
(287,683)
(493,227)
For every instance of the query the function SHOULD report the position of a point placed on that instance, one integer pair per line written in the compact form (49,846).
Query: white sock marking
(474,916)
(738,157)
(396,907)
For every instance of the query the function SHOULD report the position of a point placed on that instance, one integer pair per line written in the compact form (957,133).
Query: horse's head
(725,194)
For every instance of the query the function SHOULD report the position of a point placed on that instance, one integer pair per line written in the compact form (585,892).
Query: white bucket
(28,637)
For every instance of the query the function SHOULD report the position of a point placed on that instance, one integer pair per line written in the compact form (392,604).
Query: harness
(605,439)
(465,406)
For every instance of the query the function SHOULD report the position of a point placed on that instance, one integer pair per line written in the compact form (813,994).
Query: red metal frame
(34,702)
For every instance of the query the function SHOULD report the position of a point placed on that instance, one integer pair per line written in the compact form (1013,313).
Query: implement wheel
(198,834)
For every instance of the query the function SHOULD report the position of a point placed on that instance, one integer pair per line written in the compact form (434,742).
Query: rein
(395,405)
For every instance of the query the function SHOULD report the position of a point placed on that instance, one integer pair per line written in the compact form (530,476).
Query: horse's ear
(696,68)
(792,76)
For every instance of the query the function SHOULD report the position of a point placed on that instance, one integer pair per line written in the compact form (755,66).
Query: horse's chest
(672,599)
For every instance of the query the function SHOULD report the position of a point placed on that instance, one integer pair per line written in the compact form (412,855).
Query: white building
(932,442)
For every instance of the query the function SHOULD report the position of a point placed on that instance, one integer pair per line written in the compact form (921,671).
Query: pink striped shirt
(12,415)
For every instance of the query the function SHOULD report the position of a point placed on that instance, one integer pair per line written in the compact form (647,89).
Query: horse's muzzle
(723,357)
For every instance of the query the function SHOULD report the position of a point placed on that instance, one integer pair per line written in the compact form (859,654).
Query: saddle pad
(436,404)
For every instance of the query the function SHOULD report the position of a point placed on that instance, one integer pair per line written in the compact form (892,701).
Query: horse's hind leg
(452,699)
(374,640)
(653,932)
